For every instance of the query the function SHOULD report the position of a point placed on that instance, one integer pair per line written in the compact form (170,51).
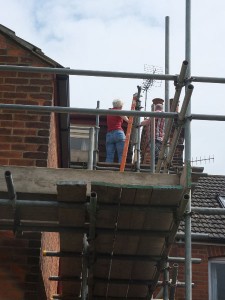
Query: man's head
(159,107)
(117,103)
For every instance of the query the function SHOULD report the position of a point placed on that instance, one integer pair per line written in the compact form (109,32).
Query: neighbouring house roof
(206,195)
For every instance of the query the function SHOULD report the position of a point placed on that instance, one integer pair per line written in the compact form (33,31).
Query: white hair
(117,103)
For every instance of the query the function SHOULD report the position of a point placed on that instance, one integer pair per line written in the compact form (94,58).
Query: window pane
(217,280)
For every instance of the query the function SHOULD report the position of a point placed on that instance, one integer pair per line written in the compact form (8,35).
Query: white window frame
(212,279)
(80,131)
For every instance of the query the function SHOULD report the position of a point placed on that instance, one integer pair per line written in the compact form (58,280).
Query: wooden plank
(106,194)
(44,180)
(72,192)
(167,196)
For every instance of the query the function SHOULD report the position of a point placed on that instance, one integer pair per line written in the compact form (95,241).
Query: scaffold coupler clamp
(13,198)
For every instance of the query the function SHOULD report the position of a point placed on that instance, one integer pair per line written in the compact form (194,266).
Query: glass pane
(217,280)
(79,143)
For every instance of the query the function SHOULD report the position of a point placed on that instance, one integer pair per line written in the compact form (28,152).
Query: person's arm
(145,122)
(125,118)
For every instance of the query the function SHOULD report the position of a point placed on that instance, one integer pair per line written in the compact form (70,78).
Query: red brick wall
(19,271)
(25,141)
(50,265)
(199,271)
(24,135)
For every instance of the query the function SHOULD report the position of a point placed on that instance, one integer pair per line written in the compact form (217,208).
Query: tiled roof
(206,195)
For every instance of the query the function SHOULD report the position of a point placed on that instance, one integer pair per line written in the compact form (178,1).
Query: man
(159,134)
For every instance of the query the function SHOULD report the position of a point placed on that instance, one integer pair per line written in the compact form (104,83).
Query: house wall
(199,271)
(25,141)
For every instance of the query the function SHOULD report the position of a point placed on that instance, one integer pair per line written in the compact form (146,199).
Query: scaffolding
(185,117)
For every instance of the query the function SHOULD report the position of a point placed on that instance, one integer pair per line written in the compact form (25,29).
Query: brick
(4,161)
(5,147)
(26,60)
(35,155)
(14,95)
(5,116)
(10,124)
(8,74)
(11,139)
(33,260)
(10,154)
(8,88)
(21,162)
(8,59)
(29,75)
(47,89)
(5,131)
(41,132)
(41,82)
(3,52)
(45,118)
(15,52)
(27,89)
(27,102)
(6,101)
(41,96)
(25,117)
(16,81)
(35,243)
(32,278)
(41,163)
(43,148)
(43,125)
(36,140)
(25,132)
(24,147)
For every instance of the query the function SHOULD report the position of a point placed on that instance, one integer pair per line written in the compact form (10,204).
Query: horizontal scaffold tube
(90,111)
(87,111)
(119,256)
(209,210)
(83,205)
(68,71)
(106,231)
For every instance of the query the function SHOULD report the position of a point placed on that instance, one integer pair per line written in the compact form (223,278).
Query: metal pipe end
(185,62)
(7,173)
(44,253)
(93,194)
(190,87)
(186,196)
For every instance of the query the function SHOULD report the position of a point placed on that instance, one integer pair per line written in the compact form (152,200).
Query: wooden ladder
(129,128)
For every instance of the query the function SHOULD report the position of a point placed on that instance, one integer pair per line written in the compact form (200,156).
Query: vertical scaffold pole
(96,150)
(188,248)
(167,65)
(91,148)
(84,287)
(152,141)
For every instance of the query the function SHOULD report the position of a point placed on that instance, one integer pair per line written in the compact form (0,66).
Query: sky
(129,36)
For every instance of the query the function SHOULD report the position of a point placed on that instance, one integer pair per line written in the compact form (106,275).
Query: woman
(115,137)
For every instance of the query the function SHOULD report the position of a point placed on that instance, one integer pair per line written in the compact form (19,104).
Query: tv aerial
(147,84)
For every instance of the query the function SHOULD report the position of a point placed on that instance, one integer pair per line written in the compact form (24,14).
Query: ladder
(135,100)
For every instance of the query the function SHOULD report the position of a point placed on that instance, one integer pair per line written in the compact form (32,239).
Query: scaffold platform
(116,229)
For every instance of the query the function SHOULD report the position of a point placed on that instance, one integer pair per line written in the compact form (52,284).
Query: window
(221,199)
(216,279)
(79,143)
